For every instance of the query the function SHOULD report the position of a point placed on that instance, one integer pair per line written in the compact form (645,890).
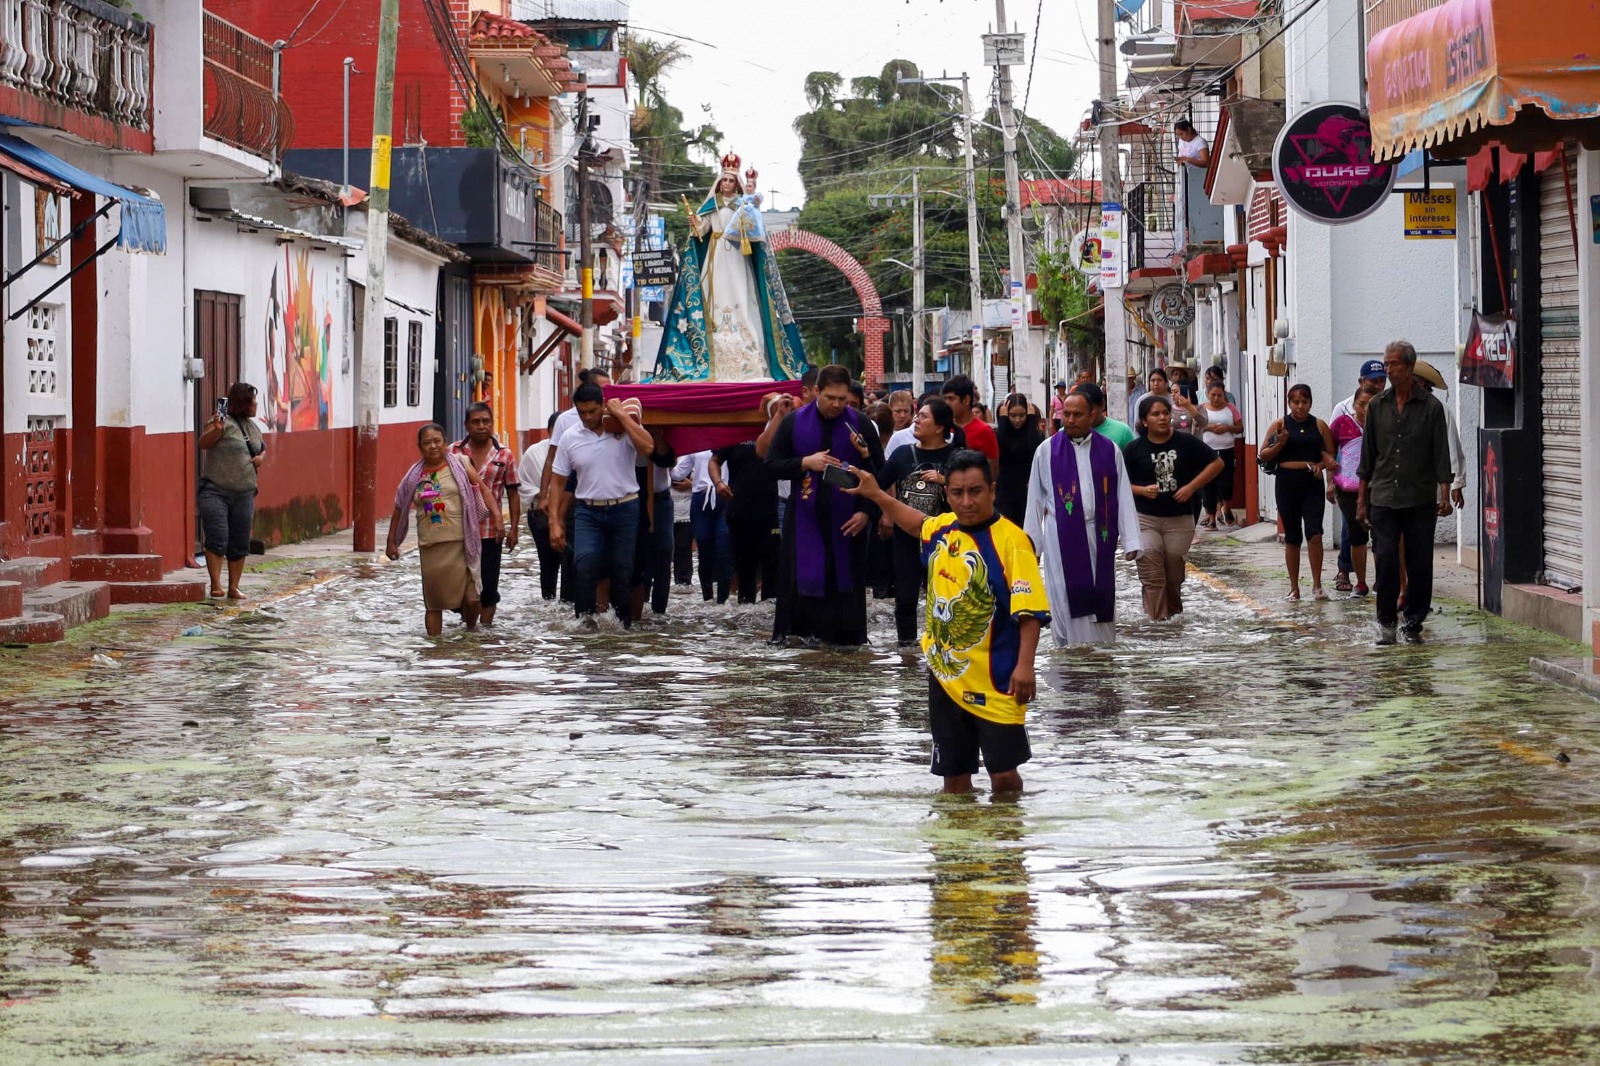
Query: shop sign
(1430,214)
(1172,306)
(1489,359)
(1324,168)
(1110,246)
(655,266)
(1086,252)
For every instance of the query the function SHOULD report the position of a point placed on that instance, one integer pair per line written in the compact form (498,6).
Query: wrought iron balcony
(1150,223)
(548,230)
(241,107)
(78,65)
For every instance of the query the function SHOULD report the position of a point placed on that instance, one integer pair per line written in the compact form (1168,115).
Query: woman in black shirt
(914,474)
(1302,446)
(1166,471)
(1019,436)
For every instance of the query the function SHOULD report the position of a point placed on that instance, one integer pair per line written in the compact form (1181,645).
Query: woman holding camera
(227,492)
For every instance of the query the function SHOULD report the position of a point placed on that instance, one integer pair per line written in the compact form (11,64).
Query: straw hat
(1429,373)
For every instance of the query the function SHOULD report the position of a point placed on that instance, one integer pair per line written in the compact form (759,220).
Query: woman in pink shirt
(1344,486)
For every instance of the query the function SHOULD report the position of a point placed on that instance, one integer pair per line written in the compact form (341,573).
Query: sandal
(1362,590)
(1342,585)
(1208,524)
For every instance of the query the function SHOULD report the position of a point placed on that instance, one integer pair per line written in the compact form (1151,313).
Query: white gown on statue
(738,349)
(1040,523)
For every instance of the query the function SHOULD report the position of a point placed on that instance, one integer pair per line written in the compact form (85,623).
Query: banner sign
(1430,214)
(1324,167)
(1110,246)
(656,266)
(1489,359)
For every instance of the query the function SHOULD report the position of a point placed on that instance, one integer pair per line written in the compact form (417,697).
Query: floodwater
(312,836)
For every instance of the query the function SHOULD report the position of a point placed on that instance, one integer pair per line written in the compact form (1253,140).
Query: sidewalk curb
(1575,674)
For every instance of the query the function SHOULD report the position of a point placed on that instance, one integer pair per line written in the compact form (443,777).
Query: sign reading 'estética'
(1324,167)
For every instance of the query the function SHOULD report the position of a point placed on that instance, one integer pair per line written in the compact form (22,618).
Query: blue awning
(144,219)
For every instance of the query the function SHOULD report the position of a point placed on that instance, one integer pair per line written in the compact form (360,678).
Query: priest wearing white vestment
(1080,509)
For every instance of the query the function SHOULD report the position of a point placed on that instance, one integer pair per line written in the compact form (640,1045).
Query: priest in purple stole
(1080,510)
(825,531)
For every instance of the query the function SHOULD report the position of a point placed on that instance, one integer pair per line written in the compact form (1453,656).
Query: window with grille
(391,362)
(414,364)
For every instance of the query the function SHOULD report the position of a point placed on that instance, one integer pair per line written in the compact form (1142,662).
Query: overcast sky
(749,62)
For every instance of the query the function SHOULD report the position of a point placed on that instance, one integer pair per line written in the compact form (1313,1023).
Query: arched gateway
(871,325)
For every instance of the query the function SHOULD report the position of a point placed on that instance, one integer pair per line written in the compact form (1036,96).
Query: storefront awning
(144,219)
(1526,67)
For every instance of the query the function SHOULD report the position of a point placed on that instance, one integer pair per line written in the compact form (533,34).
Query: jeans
(654,569)
(1165,542)
(549,558)
(683,552)
(226,518)
(1415,525)
(709,516)
(603,542)
(1346,562)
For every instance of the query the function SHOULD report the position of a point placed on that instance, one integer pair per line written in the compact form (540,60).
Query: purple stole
(811,567)
(1089,590)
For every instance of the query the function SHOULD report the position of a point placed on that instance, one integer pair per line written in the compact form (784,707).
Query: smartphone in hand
(222,407)
(839,477)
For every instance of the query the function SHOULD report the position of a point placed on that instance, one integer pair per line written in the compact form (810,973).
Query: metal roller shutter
(1559,394)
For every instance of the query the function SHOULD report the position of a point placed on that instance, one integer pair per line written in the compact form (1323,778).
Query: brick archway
(871,325)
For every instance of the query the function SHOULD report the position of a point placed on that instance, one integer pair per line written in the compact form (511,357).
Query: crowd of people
(1000,528)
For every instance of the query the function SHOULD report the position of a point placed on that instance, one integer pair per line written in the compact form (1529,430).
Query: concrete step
(76,602)
(177,587)
(34,627)
(10,599)
(33,571)
(116,568)
(85,542)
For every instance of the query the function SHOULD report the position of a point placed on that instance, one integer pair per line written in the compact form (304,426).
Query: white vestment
(732,306)
(1040,523)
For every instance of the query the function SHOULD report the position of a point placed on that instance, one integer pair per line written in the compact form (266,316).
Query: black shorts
(959,735)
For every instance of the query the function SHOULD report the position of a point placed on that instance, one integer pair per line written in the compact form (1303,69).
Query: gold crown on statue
(730,165)
(750,176)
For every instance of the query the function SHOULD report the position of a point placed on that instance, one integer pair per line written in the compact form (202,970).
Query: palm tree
(648,61)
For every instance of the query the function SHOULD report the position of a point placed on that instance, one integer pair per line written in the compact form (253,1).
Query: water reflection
(982,906)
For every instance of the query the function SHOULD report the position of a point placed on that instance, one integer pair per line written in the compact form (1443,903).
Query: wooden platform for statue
(706,414)
(657,417)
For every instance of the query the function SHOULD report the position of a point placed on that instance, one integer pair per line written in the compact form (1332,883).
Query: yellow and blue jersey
(981,581)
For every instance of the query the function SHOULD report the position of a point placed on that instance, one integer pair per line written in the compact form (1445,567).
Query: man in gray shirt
(1405,489)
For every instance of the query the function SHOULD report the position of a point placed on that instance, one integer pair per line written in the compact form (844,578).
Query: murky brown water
(312,836)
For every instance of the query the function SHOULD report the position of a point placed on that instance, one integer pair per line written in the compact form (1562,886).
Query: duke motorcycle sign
(1324,167)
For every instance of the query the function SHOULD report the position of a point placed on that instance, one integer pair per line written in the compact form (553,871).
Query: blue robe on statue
(729,318)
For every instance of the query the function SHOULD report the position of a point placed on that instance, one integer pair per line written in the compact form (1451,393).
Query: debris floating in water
(192,631)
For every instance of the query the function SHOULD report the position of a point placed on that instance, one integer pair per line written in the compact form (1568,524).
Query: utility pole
(1109,132)
(974,275)
(369,400)
(980,365)
(585,239)
(919,287)
(1020,347)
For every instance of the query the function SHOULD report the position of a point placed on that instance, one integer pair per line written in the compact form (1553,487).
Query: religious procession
(879,533)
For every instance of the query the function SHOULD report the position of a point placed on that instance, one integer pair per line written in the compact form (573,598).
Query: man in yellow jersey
(986,604)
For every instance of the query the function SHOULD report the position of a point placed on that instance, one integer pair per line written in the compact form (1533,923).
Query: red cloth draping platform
(697,415)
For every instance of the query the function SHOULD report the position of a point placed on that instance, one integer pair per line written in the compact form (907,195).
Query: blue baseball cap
(1373,368)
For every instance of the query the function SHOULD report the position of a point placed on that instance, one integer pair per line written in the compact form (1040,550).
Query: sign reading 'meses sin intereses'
(1324,167)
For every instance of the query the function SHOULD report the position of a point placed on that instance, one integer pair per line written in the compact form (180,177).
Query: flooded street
(310,835)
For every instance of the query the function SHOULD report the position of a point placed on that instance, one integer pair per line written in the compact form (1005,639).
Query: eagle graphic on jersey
(958,623)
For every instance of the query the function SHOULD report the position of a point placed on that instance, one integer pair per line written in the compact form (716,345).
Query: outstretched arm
(909,519)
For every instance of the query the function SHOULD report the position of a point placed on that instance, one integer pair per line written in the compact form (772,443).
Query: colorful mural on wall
(299,347)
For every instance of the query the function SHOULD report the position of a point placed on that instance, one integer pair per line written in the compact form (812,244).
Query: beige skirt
(447,584)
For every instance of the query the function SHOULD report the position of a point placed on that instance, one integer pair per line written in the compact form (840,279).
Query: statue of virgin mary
(729,318)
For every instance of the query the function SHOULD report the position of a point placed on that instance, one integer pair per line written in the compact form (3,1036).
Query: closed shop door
(1559,397)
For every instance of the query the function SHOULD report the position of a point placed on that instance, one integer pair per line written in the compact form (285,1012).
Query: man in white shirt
(564,421)
(606,519)
(530,473)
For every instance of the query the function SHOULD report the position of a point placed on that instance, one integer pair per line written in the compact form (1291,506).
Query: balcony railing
(548,229)
(1150,225)
(241,108)
(78,54)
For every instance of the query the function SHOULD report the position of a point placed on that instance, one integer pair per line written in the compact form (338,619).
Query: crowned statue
(729,319)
